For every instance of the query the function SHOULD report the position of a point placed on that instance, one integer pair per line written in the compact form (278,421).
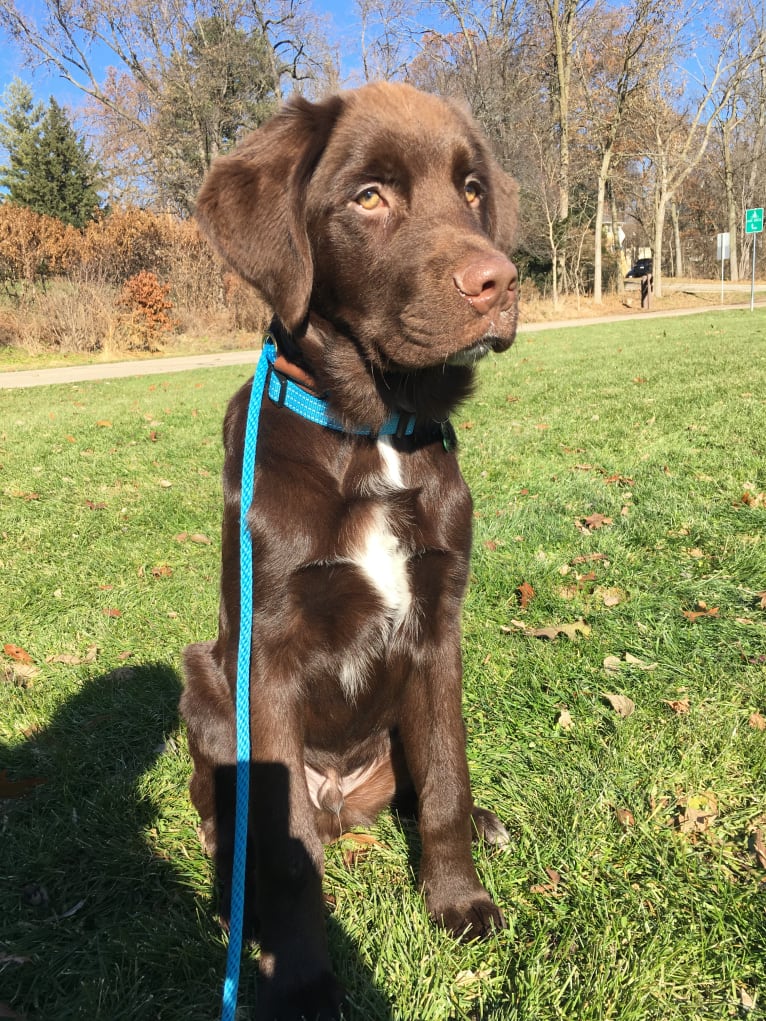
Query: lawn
(619,479)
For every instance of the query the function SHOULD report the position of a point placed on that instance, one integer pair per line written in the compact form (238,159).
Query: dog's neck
(329,362)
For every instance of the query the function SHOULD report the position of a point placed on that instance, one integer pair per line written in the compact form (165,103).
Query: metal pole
(752,281)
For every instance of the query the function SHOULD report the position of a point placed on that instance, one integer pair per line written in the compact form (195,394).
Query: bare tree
(614,62)
(187,77)
(681,133)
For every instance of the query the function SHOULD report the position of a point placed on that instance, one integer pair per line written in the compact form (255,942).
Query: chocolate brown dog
(375,224)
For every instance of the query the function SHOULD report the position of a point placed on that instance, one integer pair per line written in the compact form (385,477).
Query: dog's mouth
(492,340)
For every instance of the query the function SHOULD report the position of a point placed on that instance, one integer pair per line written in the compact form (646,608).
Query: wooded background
(633,129)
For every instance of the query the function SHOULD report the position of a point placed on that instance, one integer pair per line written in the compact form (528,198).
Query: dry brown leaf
(610,596)
(17,788)
(552,632)
(589,557)
(554,878)
(162,571)
(111,611)
(702,611)
(592,523)
(20,674)
(621,704)
(565,720)
(757,722)
(697,812)
(17,653)
(625,817)
(681,706)
(612,664)
(526,594)
(10,1013)
(758,845)
(73,659)
(639,663)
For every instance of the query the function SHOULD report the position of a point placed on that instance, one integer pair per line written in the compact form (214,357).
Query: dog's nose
(487,281)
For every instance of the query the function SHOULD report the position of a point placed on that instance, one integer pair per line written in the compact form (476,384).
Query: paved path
(157,366)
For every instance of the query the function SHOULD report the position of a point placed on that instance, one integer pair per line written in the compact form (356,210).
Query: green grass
(105,896)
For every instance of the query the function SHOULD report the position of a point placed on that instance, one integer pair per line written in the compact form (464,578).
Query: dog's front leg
(433,735)
(295,977)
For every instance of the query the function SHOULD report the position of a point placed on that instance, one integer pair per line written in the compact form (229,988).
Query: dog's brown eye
(472,192)
(369,198)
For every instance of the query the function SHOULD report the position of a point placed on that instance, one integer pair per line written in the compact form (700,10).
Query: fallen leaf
(757,722)
(9,1012)
(95,506)
(491,545)
(191,537)
(17,788)
(165,484)
(754,499)
(13,959)
(570,630)
(74,659)
(588,557)
(621,704)
(110,611)
(526,594)
(639,663)
(761,597)
(680,706)
(610,596)
(758,846)
(612,664)
(104,423)
(20,674)
(702,611)
(697,813)
(747,1000)
(554,878)
(592,523)
(565,720)
(162,571)
(625,817)
(17,653)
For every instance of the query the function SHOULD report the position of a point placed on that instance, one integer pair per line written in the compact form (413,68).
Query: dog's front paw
(319,999)
(474,918)
(487,827)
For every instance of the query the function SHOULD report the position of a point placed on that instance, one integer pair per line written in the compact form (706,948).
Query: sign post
(724,252)
(754,226)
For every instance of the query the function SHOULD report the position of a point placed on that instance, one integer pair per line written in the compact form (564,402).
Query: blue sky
(343,29)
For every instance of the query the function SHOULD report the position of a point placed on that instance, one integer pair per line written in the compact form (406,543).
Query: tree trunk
(603,174)
(679,269)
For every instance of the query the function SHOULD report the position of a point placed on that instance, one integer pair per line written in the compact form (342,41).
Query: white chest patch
(383,560)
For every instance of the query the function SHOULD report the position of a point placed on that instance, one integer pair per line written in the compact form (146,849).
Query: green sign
(754,221)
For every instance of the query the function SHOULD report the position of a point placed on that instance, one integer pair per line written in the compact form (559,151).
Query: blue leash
(284,393)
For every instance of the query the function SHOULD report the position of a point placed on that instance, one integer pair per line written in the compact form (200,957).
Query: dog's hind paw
(487,827)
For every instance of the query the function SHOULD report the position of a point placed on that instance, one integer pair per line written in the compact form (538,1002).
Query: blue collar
(286,393)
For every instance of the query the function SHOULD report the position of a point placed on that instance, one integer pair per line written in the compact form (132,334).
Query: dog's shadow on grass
(98,919)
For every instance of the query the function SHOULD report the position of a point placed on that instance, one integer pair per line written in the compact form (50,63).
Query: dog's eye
(370,198)
(472,192)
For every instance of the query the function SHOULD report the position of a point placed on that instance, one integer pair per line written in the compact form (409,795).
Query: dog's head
(380,211)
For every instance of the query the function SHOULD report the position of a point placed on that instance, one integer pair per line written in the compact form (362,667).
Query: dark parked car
(642,268)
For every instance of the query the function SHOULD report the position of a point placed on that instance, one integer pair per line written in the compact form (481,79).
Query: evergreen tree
(20,119)
(50,169)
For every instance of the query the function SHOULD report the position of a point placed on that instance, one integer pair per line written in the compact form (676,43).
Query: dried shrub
(126,242)
(34,247)
(72,318)
(148,310)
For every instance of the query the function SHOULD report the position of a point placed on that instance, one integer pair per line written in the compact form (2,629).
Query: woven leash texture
(234,954)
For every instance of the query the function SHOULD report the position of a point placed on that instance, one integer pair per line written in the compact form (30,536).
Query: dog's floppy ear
(504,210)
(251,204)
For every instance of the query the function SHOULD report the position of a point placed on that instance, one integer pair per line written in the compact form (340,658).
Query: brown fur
(361,548)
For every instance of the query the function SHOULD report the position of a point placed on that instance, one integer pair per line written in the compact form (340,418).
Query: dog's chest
(379,552)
